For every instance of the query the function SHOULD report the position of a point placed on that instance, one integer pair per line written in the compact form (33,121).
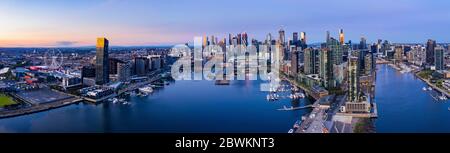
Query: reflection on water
(404,107)
(183,106)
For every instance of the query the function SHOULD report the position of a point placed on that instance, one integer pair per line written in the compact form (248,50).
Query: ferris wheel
(53,59)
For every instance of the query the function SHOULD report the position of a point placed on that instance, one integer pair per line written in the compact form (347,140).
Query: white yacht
(442,97)
(146,90)
(291,131)
(115,100)
(424,89)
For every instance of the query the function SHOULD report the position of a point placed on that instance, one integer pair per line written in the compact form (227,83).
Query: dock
(295,108)
(307,91)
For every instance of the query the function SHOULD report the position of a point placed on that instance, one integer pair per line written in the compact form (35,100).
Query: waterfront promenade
(434,86)
(39,107)
(425,80)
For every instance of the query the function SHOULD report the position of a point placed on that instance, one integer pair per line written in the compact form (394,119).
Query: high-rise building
(353,80)
(328,37)
(239,39)
(295,38)
(294,62)
(326,67)
(356,103)
(205,41)
(102,62)
(303,40)
(309,66)
(230,39)
(398,54)
(269,39)
(337,51)
(124,71)
(363,43)
(439,58)
(341,36)
(141,65)
(244,39)
(368,67)
(113,62)
(282,37)
(431,44)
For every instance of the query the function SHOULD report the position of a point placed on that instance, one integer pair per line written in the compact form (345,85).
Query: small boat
(442,97)
(301,95)
(429,88)
(449,108)
(115,100)
(291,131)
(424,89)
(146,90)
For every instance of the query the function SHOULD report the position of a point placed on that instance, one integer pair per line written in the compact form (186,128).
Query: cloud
(65,43)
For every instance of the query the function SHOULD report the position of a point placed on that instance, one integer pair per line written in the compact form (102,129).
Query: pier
(307,91)
(138,85)
(295,108)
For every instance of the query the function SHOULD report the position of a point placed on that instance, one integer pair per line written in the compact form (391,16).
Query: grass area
(6,100)
(364,125)
(425,74)
(439,83)
(336,91)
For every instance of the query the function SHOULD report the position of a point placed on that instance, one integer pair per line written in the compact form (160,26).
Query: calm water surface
(201,106)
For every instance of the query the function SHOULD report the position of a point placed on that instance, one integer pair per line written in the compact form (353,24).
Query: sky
(71,23)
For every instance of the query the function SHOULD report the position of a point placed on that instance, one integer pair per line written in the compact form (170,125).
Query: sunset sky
(61,23)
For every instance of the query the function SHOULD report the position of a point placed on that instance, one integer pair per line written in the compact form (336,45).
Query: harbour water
(202,106)
(183,106)
(404,107)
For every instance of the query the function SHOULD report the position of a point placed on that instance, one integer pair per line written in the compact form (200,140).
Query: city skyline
(141,23)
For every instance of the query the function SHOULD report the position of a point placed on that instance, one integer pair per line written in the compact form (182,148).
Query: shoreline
(442,91)
(37,108)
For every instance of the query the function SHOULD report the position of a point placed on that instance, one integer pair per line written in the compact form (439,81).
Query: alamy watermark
(228,62)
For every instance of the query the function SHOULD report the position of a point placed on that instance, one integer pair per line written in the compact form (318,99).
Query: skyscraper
(269,39)
(244,39)
(282,37)
(439,58)
(328,37)
(230,39)
(363,43)
(341,36)
(337,51)
(295,38)
(398,54)
(431,44)
(309,61)
(326,67)
(303,40)
(102,62)
(294,62)
(353,80)
(124,71)
(368,67)
(205,41)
